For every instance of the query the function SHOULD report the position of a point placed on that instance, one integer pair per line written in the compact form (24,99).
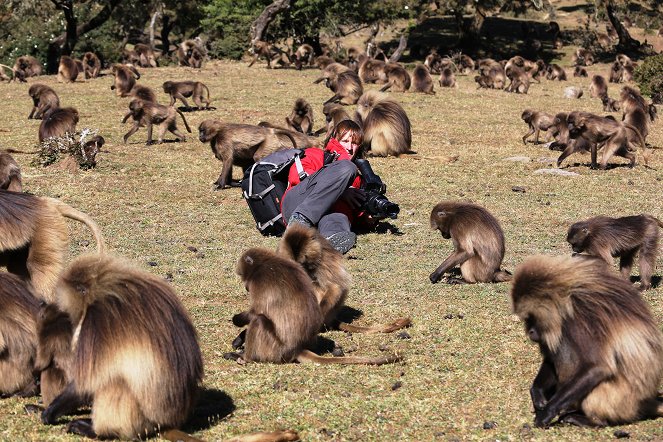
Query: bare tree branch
(259,26)
(402,45)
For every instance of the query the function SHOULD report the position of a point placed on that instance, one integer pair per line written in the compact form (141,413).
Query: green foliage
(227,23)
(648,75)
(27,31)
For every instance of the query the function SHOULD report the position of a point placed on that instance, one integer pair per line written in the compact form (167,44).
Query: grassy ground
(467,362)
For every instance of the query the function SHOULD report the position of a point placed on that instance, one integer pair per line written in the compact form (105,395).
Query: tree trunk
(166,27)
(153,22)
(626,43)
(259,26)
(469,32)
(314,41)
(64,44)
(402,45)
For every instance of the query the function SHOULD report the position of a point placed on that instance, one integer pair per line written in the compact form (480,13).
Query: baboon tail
(184,119)
(380,328)
(309,356)
(274,436)
(386,86)
(69,212)
(10,150)
(502,276)
(179,436)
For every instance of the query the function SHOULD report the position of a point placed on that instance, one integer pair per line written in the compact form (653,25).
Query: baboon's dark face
(577,237)
(532,330)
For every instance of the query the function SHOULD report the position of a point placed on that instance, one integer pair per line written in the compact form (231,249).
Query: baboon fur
(301,117)
(67,70)
(598,87)
(344,82)
(26,66)
(447,78)
(91,65)
(44,100)
(143,93)
(10,173)
(537,121)
(18,337)
(135,355)
(602,349)
(387,129)
(398,79)
(334,113)
(58,122)
(564,142)
(477,238)
(125,79)
(34,238)
(624,237)
(182,90)
(422,80)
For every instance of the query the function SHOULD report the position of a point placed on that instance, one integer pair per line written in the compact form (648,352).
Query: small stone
(383,347)
(152,263)
(337,352)
(460,316)
(449,316)
(518,159)
(489,425)
(192,249)
(621,434)
(84,242)
(396,385)
(519,189)
(168,277)
(404,335)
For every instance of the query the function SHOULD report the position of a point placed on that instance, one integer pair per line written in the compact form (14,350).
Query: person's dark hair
(345,126)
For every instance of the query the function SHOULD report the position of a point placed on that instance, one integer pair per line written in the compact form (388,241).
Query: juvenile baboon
(372,70)
(125,79)
(182,90)
(344,82)
(422,80)
(598,87)
(91,65)
(323,61)
(531,68)
(387,129)
(58,122)
(18,337)
(270,52)
(144,93)
(447,78)
(44,100)
(604,40)
(26,66)
(284,318)
(304,56)
(607,131)
(537,121)
(616,70)
(331,281)
(240,145)
(623,237)
(136,357)
(466,64)
(580,72)
(334,114)
(478,242)
(301,117)
(433,62)
(35,238)
(190,53)
(67,70)
(602,349)
(398,80)
(564,142)
(10,173)
(582,57)
(610,104)
(556,72)
(145,56)
(519,80)
(148,114)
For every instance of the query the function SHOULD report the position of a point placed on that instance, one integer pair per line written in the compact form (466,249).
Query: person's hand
(354,197)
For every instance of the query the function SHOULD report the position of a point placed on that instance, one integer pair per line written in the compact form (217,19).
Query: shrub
(649,75)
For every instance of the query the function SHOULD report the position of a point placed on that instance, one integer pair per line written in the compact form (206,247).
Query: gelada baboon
(135,357)
(492,76)
(44,100)
(610,104)
(34,238)
(371,70)
(624,237)
(285,318)
(144,93)
(556,72)
(304,56)
(636,112)
(270,52)
(191,53)
(10,173)
(387,129)
(519,80)
(331,281)
(477,239)
(182,90)
(579,71)
(616,71)
(344,82)
(398,80)
(323,61)
(91,65)
(150,114)
(125,79)
(58,122)
(26,66)
(607,131)
(422,80)
(447,78)
(602,349)
(565,143)
(433,62)
(67,70)
(143,56)
(334,114)
(582,57)
(598,87)
(18,337)
(301,117)
(537,121)
(240,145)
(297,139)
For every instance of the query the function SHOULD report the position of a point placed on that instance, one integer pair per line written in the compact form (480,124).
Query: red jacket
(312,162)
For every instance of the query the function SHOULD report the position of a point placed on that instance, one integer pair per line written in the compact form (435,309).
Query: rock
(555,172)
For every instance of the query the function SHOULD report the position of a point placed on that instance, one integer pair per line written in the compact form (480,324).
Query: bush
(648,75)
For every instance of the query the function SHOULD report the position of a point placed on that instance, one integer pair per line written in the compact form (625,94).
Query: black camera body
(376,204)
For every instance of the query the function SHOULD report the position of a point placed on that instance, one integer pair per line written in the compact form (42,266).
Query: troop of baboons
(118,342)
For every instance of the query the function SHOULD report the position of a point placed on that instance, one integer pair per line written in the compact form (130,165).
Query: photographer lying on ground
(334,196)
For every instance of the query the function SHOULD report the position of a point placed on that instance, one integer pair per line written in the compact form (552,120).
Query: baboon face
(577,236)
(207,131)
(527,115)
(440,220)
(532,330)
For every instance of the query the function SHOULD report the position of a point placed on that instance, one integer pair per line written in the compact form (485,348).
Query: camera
(376,204)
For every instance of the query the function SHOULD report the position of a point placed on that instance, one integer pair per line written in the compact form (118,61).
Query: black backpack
(263,187)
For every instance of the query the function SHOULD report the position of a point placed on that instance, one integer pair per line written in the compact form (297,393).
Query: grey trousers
(315,195)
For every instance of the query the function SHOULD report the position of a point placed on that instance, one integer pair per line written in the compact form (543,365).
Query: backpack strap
(300,169)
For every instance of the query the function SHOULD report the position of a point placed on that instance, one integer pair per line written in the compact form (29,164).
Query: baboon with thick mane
(58,122)
(125,76)
(398,79)
(602,349)
(10,173)
(67,70)
(422,80)
(387,129)
(91,65)
(478,242)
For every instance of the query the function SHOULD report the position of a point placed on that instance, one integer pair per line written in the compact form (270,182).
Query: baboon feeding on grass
(605,238)
(398,79)
(478,242)
(602,349)
(44,100)
(284,318)
(136,357)
(34,238)
(91,65)
(344,82)
(58,122)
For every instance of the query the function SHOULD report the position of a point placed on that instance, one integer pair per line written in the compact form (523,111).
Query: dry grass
(154,202)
